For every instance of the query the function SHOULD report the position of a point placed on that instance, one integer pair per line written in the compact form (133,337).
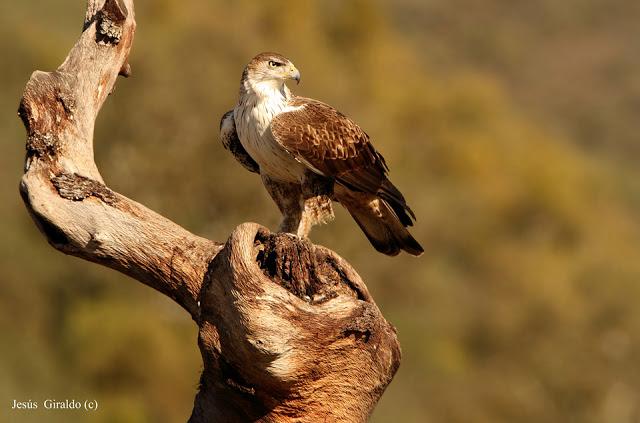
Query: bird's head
(270,70)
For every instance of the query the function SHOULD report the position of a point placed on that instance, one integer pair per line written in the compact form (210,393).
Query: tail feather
(380,221)
(394,197)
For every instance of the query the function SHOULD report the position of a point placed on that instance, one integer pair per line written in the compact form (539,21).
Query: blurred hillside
(510,126)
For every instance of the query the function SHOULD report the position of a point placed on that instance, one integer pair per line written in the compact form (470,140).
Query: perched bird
(309,154)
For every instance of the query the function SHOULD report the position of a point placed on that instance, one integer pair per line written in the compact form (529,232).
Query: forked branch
(287,330)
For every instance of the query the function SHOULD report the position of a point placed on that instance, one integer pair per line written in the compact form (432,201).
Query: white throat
(271,90)
(259,103)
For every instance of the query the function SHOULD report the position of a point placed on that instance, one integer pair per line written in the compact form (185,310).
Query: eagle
(308,154)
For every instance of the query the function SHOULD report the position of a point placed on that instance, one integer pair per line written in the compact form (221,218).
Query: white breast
(253,117)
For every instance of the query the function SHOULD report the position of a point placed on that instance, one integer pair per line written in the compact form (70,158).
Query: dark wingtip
(408,209)
(392,195)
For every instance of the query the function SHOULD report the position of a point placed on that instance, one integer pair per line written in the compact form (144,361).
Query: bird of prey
(309,154)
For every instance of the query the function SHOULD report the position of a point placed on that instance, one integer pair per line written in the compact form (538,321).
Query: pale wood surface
(287,330)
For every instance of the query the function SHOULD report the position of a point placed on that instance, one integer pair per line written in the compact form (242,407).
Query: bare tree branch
(287,330)
(62,187)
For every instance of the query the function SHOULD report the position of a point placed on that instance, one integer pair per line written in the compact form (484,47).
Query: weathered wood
(287,329)
(293,331)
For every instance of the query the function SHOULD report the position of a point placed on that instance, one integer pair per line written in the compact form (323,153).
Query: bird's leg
(299,218)
(317,208)
(291,223)
(306,218)
(288,198)
(303,205)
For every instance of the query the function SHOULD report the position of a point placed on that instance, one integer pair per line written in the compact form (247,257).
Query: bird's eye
(274,64)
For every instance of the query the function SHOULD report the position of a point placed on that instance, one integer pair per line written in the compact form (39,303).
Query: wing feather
(331,144)
(231,142)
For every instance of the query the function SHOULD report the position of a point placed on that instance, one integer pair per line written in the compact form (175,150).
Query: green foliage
(523,307)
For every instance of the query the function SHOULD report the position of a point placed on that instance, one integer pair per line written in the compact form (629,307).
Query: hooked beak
(295,74)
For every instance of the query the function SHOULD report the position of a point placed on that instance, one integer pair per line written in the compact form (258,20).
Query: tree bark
(287,330)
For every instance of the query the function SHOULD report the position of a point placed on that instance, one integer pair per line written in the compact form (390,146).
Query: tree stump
(287,330)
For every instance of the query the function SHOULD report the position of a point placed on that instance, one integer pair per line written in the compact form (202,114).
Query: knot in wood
(110,21)
(77,187)
(42,145)
(299,267)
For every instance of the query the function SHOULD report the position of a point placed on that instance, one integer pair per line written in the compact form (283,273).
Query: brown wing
(335,146)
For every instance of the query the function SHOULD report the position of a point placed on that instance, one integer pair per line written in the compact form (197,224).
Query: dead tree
(287,330)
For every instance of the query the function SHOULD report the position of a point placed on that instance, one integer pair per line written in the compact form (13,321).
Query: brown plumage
(336,147)
(300,142)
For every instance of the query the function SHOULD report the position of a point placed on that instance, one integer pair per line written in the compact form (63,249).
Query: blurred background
(511,127)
